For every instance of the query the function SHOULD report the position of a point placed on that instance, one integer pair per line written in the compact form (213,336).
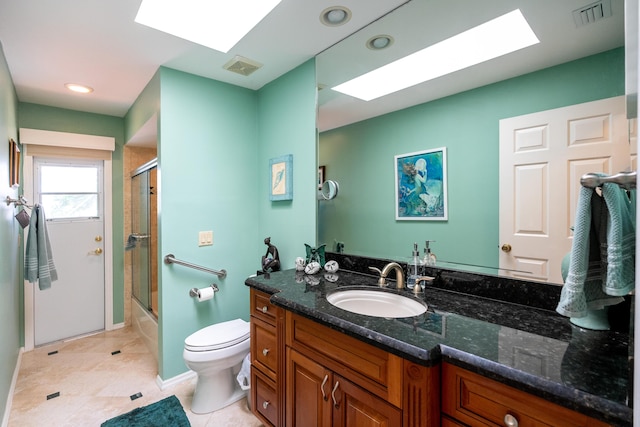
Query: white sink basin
(378,303)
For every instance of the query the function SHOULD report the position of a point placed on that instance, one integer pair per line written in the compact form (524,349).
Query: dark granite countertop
(530,348)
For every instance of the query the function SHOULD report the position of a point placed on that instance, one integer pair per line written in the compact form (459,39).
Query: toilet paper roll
(205,294)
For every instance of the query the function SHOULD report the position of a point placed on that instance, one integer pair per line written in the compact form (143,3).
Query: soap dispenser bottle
(414,266)
(429,257)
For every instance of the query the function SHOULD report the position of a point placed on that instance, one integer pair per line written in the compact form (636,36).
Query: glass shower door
(140,239)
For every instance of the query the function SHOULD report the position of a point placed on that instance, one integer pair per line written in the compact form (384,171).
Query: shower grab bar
(171,259)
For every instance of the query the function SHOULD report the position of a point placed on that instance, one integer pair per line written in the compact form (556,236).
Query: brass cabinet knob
(98,238)
(98,251)
(506,248)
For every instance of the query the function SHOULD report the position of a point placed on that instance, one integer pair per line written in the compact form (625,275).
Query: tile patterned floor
(94,385)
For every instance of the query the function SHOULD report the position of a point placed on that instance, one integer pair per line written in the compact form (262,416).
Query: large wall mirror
(580,58)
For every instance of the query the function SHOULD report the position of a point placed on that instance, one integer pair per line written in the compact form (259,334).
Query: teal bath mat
(167,412)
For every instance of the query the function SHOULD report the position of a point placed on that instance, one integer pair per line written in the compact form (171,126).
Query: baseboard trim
(14,380)
(115,326)
(163,384)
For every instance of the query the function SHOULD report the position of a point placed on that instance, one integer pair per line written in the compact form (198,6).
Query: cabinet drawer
(476,400)
(264,346)
(262,308)
(264,397)
(369,367)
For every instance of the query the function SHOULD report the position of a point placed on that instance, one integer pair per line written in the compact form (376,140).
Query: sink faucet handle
(381,281)
(426,279)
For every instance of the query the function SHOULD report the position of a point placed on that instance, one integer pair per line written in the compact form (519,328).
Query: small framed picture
(14,163)
(421,185)
(281,178)
(321,177)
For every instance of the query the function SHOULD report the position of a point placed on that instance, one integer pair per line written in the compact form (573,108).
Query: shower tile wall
(133,158)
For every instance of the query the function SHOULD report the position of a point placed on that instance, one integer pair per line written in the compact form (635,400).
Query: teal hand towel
(38,263)
(621,240)
(583,287)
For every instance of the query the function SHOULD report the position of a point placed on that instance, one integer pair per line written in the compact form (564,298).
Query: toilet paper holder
(193,292)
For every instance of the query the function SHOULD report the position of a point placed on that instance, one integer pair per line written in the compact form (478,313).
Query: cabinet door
(356,407)
(308,392)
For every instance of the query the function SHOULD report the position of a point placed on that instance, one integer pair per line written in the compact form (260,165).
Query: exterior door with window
(71,194)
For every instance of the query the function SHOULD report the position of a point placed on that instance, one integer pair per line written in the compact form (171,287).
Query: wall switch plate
(205,238)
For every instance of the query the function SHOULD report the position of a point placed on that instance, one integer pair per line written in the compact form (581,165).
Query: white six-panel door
(542,157)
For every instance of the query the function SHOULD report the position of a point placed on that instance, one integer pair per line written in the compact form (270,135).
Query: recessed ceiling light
(335,16)
(218,25)
(492,39)
(78,88)
(379,42)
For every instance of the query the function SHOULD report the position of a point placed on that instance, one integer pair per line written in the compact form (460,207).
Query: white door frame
(77,141)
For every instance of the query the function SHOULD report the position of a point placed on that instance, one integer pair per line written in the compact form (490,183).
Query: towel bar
(623,179)
(20,201)
(171,259)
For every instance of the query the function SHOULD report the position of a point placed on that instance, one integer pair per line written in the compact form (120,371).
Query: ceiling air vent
(591,13)
(241,65)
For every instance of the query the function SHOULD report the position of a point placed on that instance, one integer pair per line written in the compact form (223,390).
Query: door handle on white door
(98,251)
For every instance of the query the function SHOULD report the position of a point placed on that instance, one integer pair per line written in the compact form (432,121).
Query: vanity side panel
(421,395)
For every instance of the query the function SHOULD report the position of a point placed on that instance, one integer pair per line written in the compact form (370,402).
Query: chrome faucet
(385,271)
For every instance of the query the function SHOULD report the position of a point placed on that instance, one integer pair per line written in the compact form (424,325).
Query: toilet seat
(218,336)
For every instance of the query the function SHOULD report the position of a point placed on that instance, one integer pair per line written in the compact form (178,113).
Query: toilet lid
(220,335)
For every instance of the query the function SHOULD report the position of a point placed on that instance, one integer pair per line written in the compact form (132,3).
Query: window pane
(70,205)
(68,179)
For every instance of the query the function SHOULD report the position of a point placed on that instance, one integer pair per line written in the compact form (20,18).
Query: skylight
(217,24)
(490,40)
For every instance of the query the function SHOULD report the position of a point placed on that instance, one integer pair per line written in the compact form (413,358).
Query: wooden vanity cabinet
(336,380)
(474,400)
(267,359)
(316,396)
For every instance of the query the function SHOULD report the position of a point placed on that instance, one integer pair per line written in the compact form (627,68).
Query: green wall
(10,240)
(360,157)
(146,106)
(287,123)
(207,155)
(214,144)
(34,116)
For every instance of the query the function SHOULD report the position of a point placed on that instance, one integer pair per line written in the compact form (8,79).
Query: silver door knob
(265,351)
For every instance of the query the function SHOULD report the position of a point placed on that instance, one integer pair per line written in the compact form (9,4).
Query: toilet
(216,353)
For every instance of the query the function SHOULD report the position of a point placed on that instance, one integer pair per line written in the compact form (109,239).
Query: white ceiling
(49,43)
